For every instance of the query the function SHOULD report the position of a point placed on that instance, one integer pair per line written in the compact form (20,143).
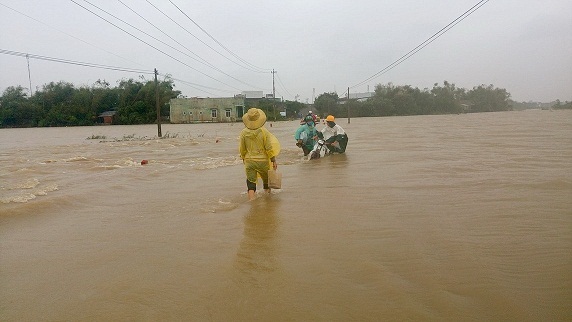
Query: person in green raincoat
(258,149)
(306,135)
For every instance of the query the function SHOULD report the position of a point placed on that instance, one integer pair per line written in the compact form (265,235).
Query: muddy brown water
(454,217)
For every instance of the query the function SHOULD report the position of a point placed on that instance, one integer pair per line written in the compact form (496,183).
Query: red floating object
(144,162)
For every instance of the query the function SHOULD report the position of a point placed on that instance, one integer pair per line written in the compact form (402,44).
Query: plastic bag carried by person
(274,179)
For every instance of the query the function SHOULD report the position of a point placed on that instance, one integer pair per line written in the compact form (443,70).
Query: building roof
(107,113)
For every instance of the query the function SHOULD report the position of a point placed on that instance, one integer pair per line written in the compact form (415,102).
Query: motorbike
(319,150)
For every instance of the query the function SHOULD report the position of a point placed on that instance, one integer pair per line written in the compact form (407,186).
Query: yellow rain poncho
(256,148)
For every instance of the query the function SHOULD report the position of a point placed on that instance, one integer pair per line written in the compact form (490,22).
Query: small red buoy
(144,162)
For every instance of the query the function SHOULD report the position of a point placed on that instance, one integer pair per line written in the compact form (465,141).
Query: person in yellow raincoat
(258,148)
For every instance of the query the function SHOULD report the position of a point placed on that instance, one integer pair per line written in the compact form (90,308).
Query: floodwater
(454,217)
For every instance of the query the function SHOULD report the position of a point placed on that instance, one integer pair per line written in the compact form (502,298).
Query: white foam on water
(27,184)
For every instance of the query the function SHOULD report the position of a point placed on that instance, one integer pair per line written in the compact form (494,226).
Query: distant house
(253,94)
(222,109)
(360,97)
(106,117)
(197,110)
(466,106)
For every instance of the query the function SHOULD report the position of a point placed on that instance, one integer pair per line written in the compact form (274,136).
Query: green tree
(382,100)
(137,102)
(326,103)
(269,106)
(129,110)
(16,110)
(351,108)
(488,99)
(447,99)
(103,98)
(406,101)
(292,108)
(558,105)
(56,104)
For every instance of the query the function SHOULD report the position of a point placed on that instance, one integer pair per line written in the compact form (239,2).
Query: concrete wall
(194,110)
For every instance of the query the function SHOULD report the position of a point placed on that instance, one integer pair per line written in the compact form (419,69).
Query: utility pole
(29,77)
(348,105)
(273,96)
(313,95)
(157,105)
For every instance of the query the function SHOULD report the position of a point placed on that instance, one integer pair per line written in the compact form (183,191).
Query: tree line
(62,104)
(391,100)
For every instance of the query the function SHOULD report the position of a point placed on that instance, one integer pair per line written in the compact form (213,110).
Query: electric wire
(70,35)
(200,59)
(196,86)
(282,84)
(73,62)
(114,68)
(166,34)
(193,85)
(157,49)
(164,43)
(197,38)
(218,42)
(429,40)
(60,60)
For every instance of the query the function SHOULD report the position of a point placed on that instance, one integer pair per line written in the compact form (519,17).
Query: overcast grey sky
(315,46)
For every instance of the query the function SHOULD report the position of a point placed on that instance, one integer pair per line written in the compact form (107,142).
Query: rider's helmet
(309,119)
(330,118)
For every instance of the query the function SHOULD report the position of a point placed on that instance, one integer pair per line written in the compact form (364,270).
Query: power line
(65,33)
(203,61)
(282,84)
(159,50)
(425,43)
(218,42)
(114,68)
(196,86)
(95,65)
(164,43)
(197,38)
(73,62)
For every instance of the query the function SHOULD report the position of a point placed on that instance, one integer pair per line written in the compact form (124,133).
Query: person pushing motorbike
(334,135)
(306,135)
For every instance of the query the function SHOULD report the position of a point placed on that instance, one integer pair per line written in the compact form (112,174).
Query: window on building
(214,113)
(227,112)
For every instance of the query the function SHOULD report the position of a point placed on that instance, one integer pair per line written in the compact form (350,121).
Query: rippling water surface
(456,217)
